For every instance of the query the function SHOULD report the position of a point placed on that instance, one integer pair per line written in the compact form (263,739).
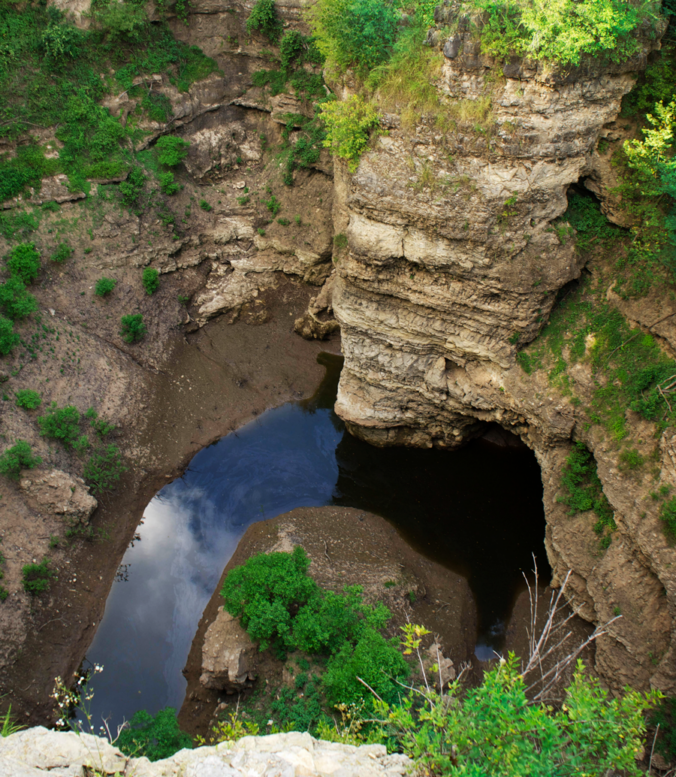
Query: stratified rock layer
(454,260)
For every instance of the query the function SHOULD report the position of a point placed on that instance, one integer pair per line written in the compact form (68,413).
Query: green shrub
(264,591)
(131,188)
(273,205)
(62,253)
(154,736)
(563,30)
(493,729)
(171,150)
(36,577)
(668,517)
(28,399)
(263,18)
(104,468)
(19,456)
(664,716)
(630,458)
(167,183)
(16,300)
(104,286)
(151,280)
(24,262)
(355,34)
(377,661)
(8,337)
(133,329)
(583,489)
(205,205)
(60,423)
(347,127)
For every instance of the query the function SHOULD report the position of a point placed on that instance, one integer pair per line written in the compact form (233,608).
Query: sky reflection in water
(299,455)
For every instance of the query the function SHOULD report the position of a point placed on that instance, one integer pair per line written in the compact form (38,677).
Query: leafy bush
(562,30)
(264,591)
(28,399)
(354,33)
(171,150)
(375,660)
(104,286)
(273,205)
(133,329)
(151,280)
(62,253)
(205,205)
(16,300)
(131,188)
(8,337)
(493,729)
(668,517)
(103,468)
(347,127)
(36,577)
(664,716)
(60,424)
(583,490)
(19,456)
(263,18)
(24,262)
(167,183)
(153,736)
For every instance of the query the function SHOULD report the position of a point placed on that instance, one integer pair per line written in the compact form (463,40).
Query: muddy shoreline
(207,384)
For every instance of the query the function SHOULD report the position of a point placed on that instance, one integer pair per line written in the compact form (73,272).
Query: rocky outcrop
(38,752)
(59,493)
(453,262)
(228,656)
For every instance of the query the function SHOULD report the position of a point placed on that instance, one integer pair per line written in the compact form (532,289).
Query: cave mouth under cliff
(476,510)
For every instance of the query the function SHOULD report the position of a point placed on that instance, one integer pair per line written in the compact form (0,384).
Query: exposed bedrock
(453,261)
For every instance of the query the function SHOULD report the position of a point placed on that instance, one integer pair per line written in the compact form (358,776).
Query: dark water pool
(477,510)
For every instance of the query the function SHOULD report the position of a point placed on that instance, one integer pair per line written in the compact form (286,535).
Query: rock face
(59,493)
(454,261)
(228,656)
(38,751)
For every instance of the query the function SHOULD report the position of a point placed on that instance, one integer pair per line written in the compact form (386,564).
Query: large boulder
(228,656)
(60,493)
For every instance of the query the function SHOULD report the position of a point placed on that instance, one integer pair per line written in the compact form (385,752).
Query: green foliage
(132,328)
(273,205)
(375,660)
(24,262)
(104,286)
(355,34)
(151,280)
(264,19)
(347,127)
(8,337)
(153,736)
(655,84)
(205,205)
(8,726)
(494,729)
(36,577)
(28,399)
(167,183)
(19,456)
(171,150)
(664,716)
(103,468)
(630,458)
(62,253)
(563,31)
(130,189)
(61,424)
(300,708)
(54,75)
(668,518)
(583,490)
(16,301)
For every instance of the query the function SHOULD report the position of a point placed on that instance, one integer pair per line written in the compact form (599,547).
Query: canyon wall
(453,263)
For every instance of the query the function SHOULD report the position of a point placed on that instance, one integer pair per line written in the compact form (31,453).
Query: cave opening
(476,510)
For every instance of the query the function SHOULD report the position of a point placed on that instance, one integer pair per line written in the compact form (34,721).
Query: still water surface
(478,511)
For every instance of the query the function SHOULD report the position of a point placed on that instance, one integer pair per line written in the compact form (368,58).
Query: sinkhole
(477,510)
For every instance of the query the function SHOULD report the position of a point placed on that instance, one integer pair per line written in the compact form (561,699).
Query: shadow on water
(477,510)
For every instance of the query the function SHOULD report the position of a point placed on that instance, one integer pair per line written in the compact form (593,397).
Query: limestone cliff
(452,264)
